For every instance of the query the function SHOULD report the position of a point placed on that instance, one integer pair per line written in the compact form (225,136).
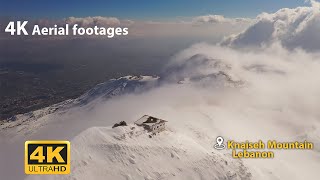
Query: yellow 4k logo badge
(47,157)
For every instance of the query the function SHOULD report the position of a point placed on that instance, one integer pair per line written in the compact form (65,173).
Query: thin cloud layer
(293,28)
(89,21)
(97,21)
(214,19)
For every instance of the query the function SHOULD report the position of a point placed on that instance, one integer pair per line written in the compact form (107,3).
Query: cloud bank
(293,28)
(277,100)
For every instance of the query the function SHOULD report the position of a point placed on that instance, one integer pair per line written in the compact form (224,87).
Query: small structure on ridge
(151,124)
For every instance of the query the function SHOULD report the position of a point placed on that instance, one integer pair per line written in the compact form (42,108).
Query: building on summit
(151,124)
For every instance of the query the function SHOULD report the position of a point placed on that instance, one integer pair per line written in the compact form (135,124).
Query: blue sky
(141,9)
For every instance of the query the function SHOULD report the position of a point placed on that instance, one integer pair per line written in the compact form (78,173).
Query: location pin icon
(219,145)
(219,141)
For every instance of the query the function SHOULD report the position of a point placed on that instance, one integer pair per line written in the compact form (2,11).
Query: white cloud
(277,100)
(213,19)
(97,21)
(293,28)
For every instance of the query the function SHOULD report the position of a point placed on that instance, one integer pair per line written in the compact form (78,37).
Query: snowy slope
(60,121)
(116,87)
(24,123)
(21,123)
(100,153)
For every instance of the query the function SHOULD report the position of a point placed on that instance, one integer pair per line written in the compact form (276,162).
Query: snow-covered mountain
(201,99)
(217,76)
(98,154)
(101,92)
(116,87)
